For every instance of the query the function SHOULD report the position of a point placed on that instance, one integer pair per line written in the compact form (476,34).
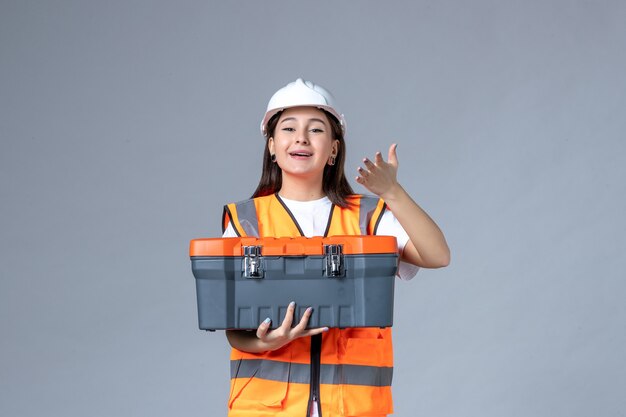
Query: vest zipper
(314,383)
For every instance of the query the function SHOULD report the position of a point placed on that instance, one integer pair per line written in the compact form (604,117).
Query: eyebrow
(310,120)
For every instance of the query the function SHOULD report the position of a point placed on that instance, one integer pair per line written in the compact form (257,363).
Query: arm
(264,339)
(427,246)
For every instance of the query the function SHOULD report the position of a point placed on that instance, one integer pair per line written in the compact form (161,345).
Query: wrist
(393,194)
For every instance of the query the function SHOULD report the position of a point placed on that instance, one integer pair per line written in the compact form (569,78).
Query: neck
(301,189)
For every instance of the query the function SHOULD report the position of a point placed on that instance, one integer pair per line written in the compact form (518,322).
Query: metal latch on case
(252,262)
(333,260)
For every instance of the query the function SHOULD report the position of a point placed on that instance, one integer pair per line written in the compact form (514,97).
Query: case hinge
(333,260)
(252,262)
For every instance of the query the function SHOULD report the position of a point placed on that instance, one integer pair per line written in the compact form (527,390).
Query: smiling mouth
(300,154)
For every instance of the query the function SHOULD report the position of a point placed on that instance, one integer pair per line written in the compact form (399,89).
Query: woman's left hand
(379,177)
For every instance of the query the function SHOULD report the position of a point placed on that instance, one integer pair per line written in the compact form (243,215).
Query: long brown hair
(334,182)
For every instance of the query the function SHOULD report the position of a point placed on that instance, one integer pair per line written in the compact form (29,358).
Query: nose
(302,137)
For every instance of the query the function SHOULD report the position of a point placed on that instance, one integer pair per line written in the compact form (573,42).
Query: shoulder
(359,199)
(366,202)
(356,198)
(363,203)
(250,201)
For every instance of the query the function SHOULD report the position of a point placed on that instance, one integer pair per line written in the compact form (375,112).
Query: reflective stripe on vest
(245,223)
(300,373)
(370,214)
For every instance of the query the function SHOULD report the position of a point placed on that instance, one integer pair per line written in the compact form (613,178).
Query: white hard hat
(302,93)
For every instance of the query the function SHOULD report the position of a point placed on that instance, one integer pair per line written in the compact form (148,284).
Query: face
(303,142)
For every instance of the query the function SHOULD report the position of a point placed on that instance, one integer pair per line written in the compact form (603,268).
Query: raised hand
(380,177)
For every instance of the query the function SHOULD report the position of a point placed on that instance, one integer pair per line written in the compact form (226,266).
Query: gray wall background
(126,125)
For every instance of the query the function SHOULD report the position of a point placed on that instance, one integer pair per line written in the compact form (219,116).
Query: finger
(393,155)
(304,320)
(288,316)
(369,164)
(313,332)
(263,328)
(363,172)
(378,158)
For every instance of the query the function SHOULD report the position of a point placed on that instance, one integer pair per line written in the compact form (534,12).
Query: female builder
(303,192)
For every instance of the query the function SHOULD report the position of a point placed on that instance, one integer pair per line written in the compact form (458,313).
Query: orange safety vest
(347,371)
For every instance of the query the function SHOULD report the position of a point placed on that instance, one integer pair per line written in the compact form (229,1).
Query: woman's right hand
(279,337)
(266,339)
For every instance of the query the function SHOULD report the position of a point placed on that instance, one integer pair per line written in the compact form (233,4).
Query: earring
(273,157)
(331,161)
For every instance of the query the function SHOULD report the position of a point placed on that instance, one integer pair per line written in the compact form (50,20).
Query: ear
(270,145)
(335,150)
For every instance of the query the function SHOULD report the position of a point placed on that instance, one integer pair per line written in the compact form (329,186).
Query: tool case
(348,280)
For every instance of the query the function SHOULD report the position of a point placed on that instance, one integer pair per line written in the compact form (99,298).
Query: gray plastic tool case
(348,280)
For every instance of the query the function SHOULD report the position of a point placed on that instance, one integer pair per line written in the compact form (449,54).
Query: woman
(294,371)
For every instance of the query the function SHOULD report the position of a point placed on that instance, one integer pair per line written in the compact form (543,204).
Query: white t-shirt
(312,217)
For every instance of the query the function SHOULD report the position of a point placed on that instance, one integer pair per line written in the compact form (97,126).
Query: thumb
(393,156)
(263,327)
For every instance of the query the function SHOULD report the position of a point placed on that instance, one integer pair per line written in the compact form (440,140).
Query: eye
(317,130)
(288,129)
